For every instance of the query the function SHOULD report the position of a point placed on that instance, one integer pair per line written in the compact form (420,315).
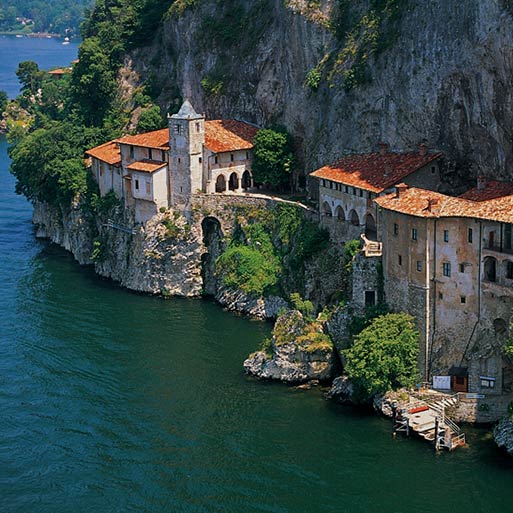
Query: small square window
(446,235)
(354,191)
(419,266)
(446,267)
(216,161)
(347,189)
(440,296)
(231,157)
(470,235)
(414,234)
(463,300)
(433,169)
(396,228)
(200,160)
(361,193)
(462,268)
(400,259)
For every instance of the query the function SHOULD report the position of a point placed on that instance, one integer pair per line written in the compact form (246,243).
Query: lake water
(117,402)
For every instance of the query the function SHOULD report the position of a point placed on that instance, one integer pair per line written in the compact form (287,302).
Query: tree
(3,101)
(30,76)
(273,157)
(150,119)
(384,356)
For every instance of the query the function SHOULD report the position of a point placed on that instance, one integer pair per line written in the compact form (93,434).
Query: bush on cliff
(384,356)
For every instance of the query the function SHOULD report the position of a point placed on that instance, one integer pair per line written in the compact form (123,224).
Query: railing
(111,224)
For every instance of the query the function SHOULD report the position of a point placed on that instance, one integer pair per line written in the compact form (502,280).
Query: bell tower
(186,140)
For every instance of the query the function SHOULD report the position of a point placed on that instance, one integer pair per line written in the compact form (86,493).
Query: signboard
(442,382)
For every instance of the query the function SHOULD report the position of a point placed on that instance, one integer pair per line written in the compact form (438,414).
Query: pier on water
(428,420)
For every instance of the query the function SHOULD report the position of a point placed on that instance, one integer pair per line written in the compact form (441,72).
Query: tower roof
(186,111)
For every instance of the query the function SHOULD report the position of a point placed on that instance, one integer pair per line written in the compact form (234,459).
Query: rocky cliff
(442,77)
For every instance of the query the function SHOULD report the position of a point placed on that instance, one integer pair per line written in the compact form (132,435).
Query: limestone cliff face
(445,81)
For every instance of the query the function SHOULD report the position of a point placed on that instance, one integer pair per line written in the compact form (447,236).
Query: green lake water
(112,401)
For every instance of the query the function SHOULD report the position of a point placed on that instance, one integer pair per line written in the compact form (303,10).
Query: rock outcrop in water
(503,434)
(299,351)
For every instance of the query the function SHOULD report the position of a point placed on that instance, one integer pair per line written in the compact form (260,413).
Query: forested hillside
(54,16)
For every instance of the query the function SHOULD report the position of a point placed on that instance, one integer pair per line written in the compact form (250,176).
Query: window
(331,183)
(346,189)
(446,267)
(396,228)
(179,160)
(446,235)
(460,380)
(177,128)
(509,270)
(136,185)
(163,155)
(231,157)
(361,193)
(414,234)
(462,268)
(463,300)
(440,296)
(150,153)
(148,188)
(400,259)
(507,236)
(433,169)
(470,234)
(131,152)
(216,161)
(354,191)
(370,298)
(200,160)
(419,266)
(247,155)
(198,127)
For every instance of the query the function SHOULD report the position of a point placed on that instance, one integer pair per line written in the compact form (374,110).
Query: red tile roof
(158,139)
(59,71)
(220,135)
(492,190)
(229,135)
(373,171)
(423,203)
(108,152)
(146,166)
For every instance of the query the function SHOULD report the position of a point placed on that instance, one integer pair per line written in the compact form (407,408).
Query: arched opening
(508,269)
(246,180)
(353,217)
(221,183)
(339,213)
(490,269)
(326,209)
(234,182)
(370,227)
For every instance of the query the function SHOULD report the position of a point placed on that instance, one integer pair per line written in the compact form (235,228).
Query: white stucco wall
(151,186)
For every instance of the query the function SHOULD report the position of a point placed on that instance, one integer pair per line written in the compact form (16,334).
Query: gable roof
(423,203)
(374,172)
(108,152)
(493,189)
(146,166)
(158,139)
(229,135)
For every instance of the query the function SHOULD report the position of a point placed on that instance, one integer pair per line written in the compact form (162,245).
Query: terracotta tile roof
(158,139)
(492,190)
(146,166)
(108,152)
(59,71)
(229,135)
(373,171)
(423,203)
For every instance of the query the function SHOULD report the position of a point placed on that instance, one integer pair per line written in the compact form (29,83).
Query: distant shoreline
(41,35)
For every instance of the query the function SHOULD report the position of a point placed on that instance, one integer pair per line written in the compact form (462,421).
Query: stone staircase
(371,248)
(428,420)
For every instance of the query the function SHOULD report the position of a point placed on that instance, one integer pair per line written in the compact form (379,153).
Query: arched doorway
(246,180)
(353,217)
(339,213)
(234,182)
(326,209)
(490,269)
(221,183)
(370,227)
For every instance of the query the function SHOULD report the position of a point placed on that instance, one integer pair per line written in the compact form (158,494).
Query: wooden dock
(429,421)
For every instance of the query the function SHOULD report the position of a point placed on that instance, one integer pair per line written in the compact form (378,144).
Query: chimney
(400,188)
(481,182)
(423,149)
(383,148)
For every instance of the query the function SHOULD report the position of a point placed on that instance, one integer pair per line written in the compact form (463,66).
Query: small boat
(66,41)
(19,35)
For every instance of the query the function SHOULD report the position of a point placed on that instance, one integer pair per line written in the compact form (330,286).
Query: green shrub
(172,231)
(304,306)
(384,356)
(313,79)
(97,254)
